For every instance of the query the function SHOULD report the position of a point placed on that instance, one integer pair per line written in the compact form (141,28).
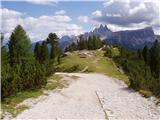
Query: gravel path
(93,96)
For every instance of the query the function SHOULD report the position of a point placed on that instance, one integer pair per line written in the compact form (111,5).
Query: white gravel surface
(80,101)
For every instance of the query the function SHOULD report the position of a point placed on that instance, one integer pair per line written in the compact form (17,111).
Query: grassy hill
(91,61)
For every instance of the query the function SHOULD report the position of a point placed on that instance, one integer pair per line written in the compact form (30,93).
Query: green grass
(96,63)
(115,51)
(53,82)
(55,77)
(10,104)
(145,93)
(51,86)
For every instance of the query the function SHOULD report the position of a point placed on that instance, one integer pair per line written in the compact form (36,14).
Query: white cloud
(97,13)
(84,19)
(115,28)
(9,18)
(56,18)
(113,15)
(61,12)
(129,14)
(38,28)
(9,13)
(42,2)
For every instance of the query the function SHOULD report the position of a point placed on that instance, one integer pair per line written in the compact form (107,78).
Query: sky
(40,17)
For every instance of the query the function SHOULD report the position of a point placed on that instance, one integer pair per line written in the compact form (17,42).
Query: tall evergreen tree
(20,49)
(44,53)
(52,37)
(145,54)
(94,42)
(21,71)
(4,53)
(139,53)
(37,51)
(90,45)
(53,40)
(155,59)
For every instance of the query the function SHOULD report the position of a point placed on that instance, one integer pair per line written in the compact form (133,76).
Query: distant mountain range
(131,39)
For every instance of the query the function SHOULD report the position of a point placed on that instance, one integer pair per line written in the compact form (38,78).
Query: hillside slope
(94,61)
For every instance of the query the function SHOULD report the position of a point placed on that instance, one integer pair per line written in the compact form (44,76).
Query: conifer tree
(145,54)
(90,45)
(44,53)
(139,53)
(37,51)
(155,59)
(53,40)
(20,49)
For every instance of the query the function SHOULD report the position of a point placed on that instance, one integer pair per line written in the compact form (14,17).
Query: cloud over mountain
(129,14)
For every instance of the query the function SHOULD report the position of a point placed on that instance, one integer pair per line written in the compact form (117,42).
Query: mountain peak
(101,26)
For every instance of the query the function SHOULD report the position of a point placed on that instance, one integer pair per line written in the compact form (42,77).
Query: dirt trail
(93,96)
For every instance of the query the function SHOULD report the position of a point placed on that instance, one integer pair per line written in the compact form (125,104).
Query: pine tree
(5,71)
(90,45)
(44,53)
(37,51)
(53,40)
(139,53)
(52,37)
(155,59)
(20,49)
(21,71)
(145,54)
(94,42)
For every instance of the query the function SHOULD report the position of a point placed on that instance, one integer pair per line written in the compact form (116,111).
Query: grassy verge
(96,62)
(53,82)
(10,104)
(145,93)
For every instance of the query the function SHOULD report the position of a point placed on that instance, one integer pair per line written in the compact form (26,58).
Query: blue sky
(40,17)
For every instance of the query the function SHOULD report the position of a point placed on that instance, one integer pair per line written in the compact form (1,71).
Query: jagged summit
(132,39)
(102,28)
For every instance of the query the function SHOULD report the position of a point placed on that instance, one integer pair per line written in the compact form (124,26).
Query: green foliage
(6,79)
(41,52)
(44,53)
(144,74)
(10,103)
(145,54)
(108,52)
(139,53)
(74,68)
(19,47)
(82,44)
(53,40)
(71,48)
(20,71)
(92,43)
(111,51)
(155,59)
(37,51)
(55,53)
